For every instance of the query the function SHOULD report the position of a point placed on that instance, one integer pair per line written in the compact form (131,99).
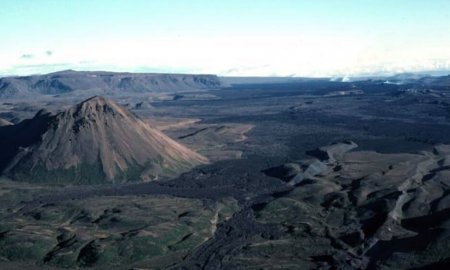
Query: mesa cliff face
(96,141)
(106,82)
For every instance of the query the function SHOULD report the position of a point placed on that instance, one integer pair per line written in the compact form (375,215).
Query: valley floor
(378,199)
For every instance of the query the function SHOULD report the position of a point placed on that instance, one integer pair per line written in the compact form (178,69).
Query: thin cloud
(34,69)
(27,56)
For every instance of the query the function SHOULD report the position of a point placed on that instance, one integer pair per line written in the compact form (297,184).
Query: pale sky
(230,37)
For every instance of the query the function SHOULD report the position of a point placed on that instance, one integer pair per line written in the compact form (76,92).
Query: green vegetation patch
(140,231)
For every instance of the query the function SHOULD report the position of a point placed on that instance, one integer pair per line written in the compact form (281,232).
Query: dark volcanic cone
(96,141)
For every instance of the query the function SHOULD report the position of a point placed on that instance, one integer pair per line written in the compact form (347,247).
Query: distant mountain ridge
(442,81)
(108,82)
(94,142)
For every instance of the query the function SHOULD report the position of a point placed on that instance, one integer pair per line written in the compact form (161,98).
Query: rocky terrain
(358,210)
(302,174)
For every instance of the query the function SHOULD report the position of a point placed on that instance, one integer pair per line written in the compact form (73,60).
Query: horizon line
(430,72)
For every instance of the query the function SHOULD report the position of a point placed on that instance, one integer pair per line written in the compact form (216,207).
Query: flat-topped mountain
(96,141)
(107,82)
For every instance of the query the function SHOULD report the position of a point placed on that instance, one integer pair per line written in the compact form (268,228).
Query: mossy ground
(140,231)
